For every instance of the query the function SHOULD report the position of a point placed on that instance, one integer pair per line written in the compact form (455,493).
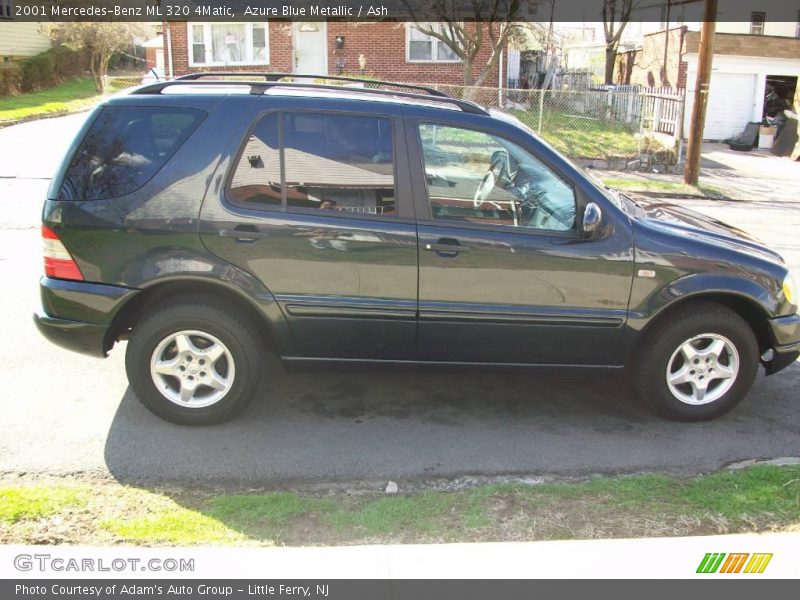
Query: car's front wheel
(193,363)
(697,363)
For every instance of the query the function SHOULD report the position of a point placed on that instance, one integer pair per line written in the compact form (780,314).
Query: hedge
(41,71)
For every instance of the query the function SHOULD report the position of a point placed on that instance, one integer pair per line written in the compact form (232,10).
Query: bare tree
(466,28)
(616,15)
(100,40)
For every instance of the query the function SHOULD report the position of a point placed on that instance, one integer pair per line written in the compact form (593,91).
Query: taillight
(58,262)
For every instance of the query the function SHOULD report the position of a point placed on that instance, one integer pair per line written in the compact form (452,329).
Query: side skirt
(302,362)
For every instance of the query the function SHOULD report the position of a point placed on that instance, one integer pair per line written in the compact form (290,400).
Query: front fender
(694,285)
(697,284)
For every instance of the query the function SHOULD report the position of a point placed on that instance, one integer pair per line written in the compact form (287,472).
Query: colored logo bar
(735,562)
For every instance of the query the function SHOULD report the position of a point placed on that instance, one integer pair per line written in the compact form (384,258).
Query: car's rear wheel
(697,363)
(194,364)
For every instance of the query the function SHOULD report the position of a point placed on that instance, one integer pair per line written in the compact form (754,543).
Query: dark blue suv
(209,222)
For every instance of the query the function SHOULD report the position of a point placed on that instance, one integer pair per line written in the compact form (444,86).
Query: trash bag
(786,141)
(746,141)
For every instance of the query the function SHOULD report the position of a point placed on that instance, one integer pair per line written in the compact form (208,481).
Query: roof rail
(258,88)
(276,77)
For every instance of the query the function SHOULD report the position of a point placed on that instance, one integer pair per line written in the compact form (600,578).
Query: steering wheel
(485,187)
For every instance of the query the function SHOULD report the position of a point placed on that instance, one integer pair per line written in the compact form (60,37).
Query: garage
(730,104)
(737,91)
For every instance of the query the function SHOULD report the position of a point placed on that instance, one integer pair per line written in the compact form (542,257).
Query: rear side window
(257,179)
(124,148)
(331,162)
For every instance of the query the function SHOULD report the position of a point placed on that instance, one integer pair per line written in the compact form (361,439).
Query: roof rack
(272,80)
(276,77)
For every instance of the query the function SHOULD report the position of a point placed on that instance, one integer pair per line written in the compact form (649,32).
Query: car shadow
(319,427)
(363,429)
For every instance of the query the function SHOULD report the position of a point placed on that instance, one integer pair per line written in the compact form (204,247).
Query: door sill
(303,362)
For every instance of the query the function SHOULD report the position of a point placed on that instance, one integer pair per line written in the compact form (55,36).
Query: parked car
(153,75)
(209,223)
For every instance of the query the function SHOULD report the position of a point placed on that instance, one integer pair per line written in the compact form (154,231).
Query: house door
(160,60)
(310,50)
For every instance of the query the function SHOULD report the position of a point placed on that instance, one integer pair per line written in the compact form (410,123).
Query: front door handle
(246,234)
(446,246)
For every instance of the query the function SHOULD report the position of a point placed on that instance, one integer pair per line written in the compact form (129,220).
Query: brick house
(392,51)
(745,67)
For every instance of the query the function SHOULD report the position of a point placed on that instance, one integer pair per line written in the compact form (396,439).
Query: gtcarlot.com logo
(46,562)
(737,562)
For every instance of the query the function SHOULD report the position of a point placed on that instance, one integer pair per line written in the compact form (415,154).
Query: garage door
(730,105)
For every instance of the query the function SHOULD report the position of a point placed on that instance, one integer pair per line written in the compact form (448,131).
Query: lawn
(760,498)
(71,96)
(656,186)
(583,137)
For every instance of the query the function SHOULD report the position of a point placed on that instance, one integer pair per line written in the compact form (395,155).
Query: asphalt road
(65,414)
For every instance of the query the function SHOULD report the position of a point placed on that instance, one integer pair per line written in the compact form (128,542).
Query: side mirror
(592,220)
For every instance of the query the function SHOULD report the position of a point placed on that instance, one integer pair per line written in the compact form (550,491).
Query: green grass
(423,513)
(279,507)
(672,187)
(71,96)
(582,138)
(39,502)
(761,498)
(175,525)
(570,135)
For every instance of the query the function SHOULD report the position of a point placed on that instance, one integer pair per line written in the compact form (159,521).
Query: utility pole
(691,172)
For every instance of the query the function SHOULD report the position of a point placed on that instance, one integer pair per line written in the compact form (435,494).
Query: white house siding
(748,105)
(20,40)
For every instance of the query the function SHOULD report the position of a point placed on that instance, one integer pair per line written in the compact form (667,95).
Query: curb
(41,117)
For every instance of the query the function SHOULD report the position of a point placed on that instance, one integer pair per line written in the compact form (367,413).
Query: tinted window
(339,162)
(331,162)
(257,178)
(124,148)
(476,177)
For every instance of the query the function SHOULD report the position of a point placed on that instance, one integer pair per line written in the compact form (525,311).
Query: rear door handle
(244,233)
(446,246)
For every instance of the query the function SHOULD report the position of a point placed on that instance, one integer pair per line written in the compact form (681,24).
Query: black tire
(740,147)
(235,334)
(655,353)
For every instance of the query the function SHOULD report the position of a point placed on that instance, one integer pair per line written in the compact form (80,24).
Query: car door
(505,274)
(317,206)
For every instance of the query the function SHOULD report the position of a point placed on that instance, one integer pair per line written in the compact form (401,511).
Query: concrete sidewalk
(755,176)
(671,558)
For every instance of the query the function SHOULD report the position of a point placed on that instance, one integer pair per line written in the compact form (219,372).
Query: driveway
(68,414)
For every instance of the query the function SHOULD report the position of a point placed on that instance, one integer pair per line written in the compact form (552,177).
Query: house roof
(156,42)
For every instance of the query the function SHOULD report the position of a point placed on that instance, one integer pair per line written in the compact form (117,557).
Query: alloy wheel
(192,369)
(702,369)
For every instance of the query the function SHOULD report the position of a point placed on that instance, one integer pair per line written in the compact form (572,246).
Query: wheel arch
(749,309)
(263,312)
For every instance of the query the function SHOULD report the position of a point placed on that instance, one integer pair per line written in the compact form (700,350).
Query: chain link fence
(623,128)
(119,83)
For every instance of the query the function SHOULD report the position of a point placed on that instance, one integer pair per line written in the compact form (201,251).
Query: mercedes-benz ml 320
(210,222)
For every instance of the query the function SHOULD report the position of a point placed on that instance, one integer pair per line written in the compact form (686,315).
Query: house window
(757,23)
(421,47)
(225,44)
(5,9)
